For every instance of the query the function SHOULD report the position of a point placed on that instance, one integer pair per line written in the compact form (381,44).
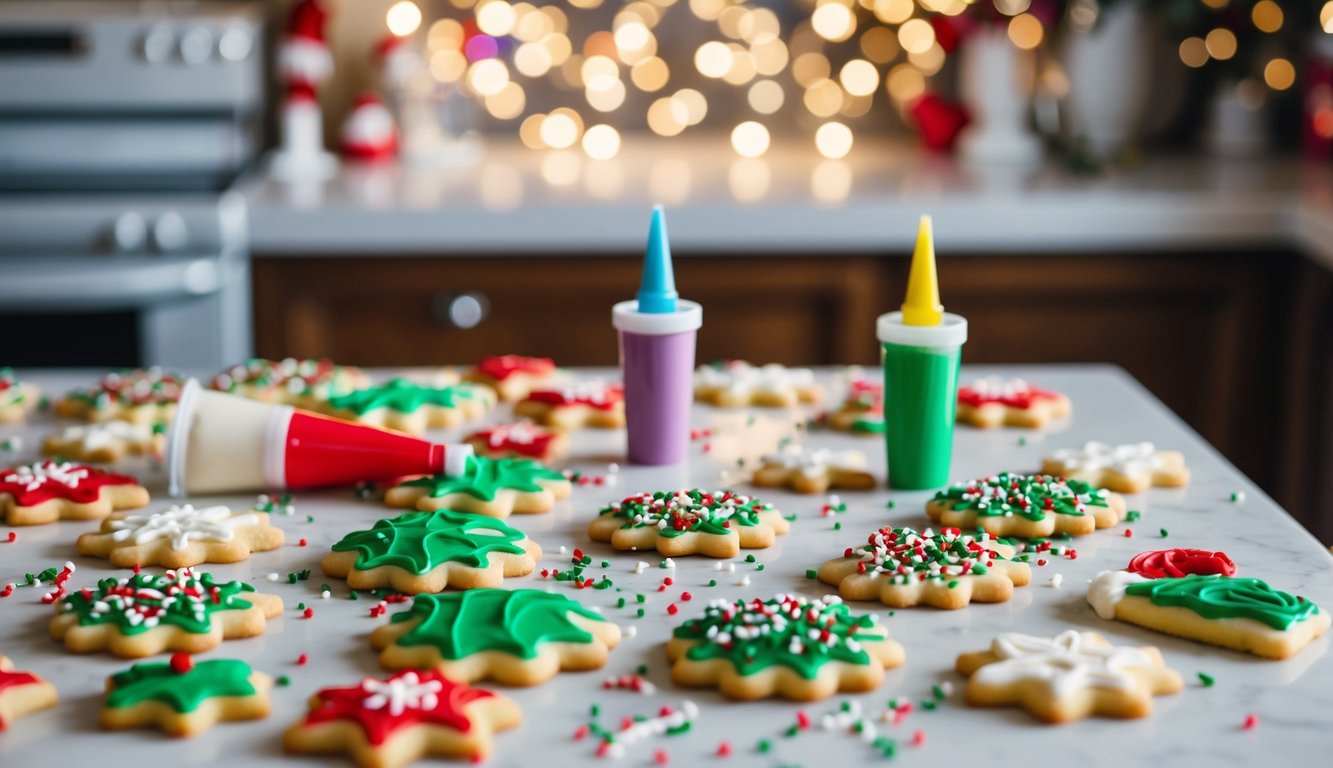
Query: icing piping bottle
(923,347)
(220,442)
(657,334)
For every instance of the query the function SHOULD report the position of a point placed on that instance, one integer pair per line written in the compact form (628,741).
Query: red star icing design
(14,680)
(1015,393)
(501,367)
(403,700)
(32,484)
(590,394)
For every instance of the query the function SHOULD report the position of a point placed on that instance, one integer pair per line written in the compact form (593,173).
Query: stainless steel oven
(123,126)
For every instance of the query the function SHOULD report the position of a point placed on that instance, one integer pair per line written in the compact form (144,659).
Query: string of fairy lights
(835,60)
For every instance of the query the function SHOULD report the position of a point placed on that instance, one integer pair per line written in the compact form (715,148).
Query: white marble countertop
(516,201)
(1196,728)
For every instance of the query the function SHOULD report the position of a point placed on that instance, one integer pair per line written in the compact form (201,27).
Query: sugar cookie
(1010,504)
(185,697)
(950,569)
(146,614)
(791,646)
(106,441)
(16,397)
(518,637)
(410,407)
(491,487)
(395,721)
(50,490)
(592,404)
(521,440)
(736,384)
(677,523)
(1121,468)
(144,396)
(1067,677)
(22,693)
(304,383)
(181,536)
(993,402)
(862,411)
(427,551)
(513,376)
(813,470)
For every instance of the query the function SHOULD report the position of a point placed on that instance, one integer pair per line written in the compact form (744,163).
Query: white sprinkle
(273,576)
(669,563)
(630,631)
(1238,497)
(595,608)
(1056,580)
(563,549)
(946,688)
(326,594)
(612,468)
(744,581)
(640,566)
(729,567)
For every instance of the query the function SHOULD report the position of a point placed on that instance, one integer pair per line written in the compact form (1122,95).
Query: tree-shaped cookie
(147,613)
(145,396)
(1128,468)
(796,647)
(1010,504)
(592,404)
(185,697)
(427,551)
(902,568)
(394,721)
(676,523)
(491,487)
(995,402)
(21,693)
(51,490)
(736,384)
(106,441)
(305,383)
(181,536)
(520,440)
(806,470)
(411,407)
(519,637)
(513,376)
(16,397)
(862,410)
(1067,677)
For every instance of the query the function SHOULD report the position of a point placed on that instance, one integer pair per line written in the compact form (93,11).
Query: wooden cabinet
(1231,342)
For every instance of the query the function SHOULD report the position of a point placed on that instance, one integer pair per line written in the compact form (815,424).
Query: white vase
(995,83)
(1108,68)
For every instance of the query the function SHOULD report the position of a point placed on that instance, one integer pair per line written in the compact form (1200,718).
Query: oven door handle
(74,284)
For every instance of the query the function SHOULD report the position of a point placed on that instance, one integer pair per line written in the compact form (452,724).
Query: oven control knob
(169,232)
(129,233)
(235,44)
(196,45)
(157,44)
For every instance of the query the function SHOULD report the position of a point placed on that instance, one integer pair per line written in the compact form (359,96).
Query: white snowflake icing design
(996,388)
(34,476)
(520,433)
(402,693)
(741,378)
(1130,459)
(181,524)
(1066,663)
(106,434)
(815,462)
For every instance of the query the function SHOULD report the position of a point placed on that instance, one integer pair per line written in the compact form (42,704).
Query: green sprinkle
(48,575)
(890,747)
(889,505)
(300,606)
(1162,532)
(764,745)
(938,693)
(1133,515)
(1022,440)
(953,584)
(759,567)
(837,526)
(749,558)
(291,578)
(792,731)
(639,613)
(1206,680)
(620,603)
(712,582)
(789,518)
(352,595)
(639,598)
(283,681)
(811,573)
(310,518)
(641,670)
(929,704)
(324,588)
(740,462)
(662,564)
(605,583)
(606,563)
(594,710)
(845,706)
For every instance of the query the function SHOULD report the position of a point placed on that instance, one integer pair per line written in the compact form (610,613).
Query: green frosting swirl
(1028,496)
(484,477)
(144,601)
(182,691)
(1227,597)
(517,622)
(689,511)
(420,541)
(406,396)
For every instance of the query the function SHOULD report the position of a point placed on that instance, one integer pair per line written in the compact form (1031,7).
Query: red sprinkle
(1251,722)
(724,749)
(308,614)
(672,610)
(918,737)
(1129,533)
(686,597)
(603,749)
(302,660)
(181,663)
(802,719)
(668,581)
(302,543)
(660,757)
(7,591)
(13,537)
(581,733)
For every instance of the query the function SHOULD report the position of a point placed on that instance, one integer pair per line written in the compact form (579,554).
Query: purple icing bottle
(657,335)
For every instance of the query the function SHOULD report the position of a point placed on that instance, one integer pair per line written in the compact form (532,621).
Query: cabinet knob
(459,310)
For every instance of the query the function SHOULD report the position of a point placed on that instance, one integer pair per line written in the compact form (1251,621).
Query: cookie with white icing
(1129,468)
(147,613)
(181,536)
(520,440)
(1011,504)
(994,402)
(1067,677)
(396,721)
(16,397)
(687,522)
(1208,604)
(813,470)
(47,491)
(586,404)
(106,441)
(22,693)
(184,697)
(902,568)
(737,384)
(143,396)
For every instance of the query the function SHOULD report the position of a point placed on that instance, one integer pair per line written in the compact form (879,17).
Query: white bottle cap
(951,332)
(689,316)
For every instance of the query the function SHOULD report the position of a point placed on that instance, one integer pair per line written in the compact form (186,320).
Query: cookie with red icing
(394,721)
(21,693)
(994,402)
(185,697)
(51,490)
(862,410)
(585,404)
(143,396)
(520,440)
(16,397)
(513,376)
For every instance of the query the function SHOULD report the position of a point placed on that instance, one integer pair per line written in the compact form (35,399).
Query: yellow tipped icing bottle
(922,347)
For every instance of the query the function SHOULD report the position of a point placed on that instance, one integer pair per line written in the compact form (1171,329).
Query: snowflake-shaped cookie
(181,536)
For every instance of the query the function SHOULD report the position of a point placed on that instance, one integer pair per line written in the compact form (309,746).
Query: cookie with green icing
(149,613)
(686,522)
(420,552)
(518,637)
(792,646)
(185,697)
(1241,613)
(1012,504)
(408,406)
(492,487)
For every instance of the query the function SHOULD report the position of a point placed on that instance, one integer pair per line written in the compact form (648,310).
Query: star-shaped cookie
(51,490)
(520,440)
(994,402)
(678,523)
(1010,504)
(144,396)
(737,384)
(410,407)
(106,441)
(816,470)
(181,536)
(513,376)
(1128,468)
(491,487)
(593,404)
(185,697)
(21,693)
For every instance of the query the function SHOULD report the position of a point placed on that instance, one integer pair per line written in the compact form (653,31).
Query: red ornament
(946,33)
